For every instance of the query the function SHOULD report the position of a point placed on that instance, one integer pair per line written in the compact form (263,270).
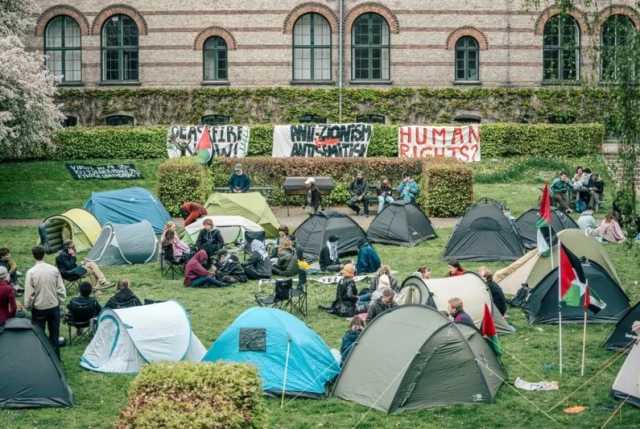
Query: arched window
(214,57)
(119,120)
(467,59)
(561,49)
(120,49)
(617,33)
(312,48)
(62,49)
(370,48)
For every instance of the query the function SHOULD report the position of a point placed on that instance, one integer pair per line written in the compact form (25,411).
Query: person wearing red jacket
(196,275)
(191,211)
(8,305)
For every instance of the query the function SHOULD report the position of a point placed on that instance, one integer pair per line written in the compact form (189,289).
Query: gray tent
(619,338)
(627,383)
(30,374)
(125,244)
(433,362)
(526,224)
(314,232)
(401,223)
(485,234)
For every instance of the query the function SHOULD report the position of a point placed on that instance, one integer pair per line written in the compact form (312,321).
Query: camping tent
(485,234)
(526,224)
(76,224)
(125,206)
(542,304)
(285,351)
(30,374)
(412,357)
(125,244)
(436,293)
(232,228)
(249,205)
(627,383)
(401,223)
(532,267)
(618,340)
(128,338)
(314,232)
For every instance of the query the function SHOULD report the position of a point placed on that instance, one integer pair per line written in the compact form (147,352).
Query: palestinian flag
(573,282)
(543,224)
(488,330)
(591,301)
(204,148)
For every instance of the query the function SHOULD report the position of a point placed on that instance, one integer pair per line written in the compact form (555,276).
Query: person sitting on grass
(209,239)
(344,304)
(239,182)
(382,304)
(229,268)
(424,273)
(456,310)
(384,194)
(455,269)
(84,307)
(180,250)
(609,230)
(329,256)
(123,298)
(67,264)
(497,295)
(191,211)
(284,242)
(587,222)
(358,190)
(368,259)
(196,275)
(350,337)
(258,266)
(408,189)
(8,306)
(286,263)
(7,261)
(560,191)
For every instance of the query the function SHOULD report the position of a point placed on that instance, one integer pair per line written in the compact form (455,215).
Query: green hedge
(498,140)
(181,180)
(194,396)
(448,188)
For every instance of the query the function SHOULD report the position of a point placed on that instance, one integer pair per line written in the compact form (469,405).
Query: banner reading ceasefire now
(462,143)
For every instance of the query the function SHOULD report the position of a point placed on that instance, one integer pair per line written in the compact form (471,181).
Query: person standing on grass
(239,182)
(560,191)
(358,190)
(44,293)
(8,306)
(314,198)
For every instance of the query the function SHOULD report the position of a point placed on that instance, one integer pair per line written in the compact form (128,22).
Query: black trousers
(353,204)
(51,318)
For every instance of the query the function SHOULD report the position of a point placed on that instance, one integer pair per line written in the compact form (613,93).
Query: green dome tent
(125,244)
(250,205)
(401,223)
(432,362)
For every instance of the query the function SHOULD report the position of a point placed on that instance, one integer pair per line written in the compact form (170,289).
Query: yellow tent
(76,224)
(250,205)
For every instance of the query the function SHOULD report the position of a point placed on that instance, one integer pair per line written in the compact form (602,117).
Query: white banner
(322,140)
(462,143)
(225,141)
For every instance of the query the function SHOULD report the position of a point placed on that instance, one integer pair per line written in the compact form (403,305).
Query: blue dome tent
(284,349)
(127,206)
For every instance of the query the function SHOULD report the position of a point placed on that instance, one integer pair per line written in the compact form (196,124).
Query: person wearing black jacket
(123,298)
(258,266)
(230,269)
(329,256)
(497,295)
(596,190)
(209,239)
(314,198)
(346,294)
(286,265)
(382,304)
(84,307)
(350,337)
(358,190)
(70,270)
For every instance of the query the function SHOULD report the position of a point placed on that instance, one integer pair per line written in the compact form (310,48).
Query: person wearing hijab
(329,257)
(258,266)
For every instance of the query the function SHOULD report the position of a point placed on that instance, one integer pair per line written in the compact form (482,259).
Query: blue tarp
(311,364)
(127,206)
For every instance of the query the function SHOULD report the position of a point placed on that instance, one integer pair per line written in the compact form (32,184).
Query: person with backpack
(123,298)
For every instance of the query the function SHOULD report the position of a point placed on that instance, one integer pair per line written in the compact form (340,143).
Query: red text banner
(462,143)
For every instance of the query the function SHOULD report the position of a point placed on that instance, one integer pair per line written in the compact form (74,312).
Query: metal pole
(340,57)
(560,303)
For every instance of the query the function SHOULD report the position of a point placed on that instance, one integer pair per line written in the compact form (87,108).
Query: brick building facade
(244,43)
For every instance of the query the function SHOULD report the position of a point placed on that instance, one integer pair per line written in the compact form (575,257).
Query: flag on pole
(574,289)
(543,224)
(591,301)
(204,147)
(488,330)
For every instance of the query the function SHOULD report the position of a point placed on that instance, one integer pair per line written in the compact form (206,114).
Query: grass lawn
(531,353)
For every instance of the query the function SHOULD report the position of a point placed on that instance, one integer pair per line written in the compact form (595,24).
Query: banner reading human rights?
(321,140)
(461,143)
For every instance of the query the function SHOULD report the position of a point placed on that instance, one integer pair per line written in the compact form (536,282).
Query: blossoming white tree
(28,113)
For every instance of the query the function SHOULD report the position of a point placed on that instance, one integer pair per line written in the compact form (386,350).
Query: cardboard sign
(322,140)
(461,143)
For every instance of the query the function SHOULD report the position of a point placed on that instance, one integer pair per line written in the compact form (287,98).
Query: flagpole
(560,305)
(584,342)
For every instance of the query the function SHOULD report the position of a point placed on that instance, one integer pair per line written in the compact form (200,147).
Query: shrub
(180,180)
(189,396)
(448,188)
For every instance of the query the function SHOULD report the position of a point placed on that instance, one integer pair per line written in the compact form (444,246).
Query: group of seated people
(583,191)
(359,189)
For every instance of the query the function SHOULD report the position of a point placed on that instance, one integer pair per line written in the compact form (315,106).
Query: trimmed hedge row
(193,396)
(498,140)
(446,185)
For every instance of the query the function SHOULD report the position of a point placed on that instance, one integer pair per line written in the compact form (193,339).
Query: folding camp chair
(285,297)
(81,318)
(168,264)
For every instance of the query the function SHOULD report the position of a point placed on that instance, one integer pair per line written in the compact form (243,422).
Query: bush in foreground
(194,396)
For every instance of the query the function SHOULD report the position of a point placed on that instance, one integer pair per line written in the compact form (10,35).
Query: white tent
(627,384)
(436,293)
(128,338)
(232,228)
